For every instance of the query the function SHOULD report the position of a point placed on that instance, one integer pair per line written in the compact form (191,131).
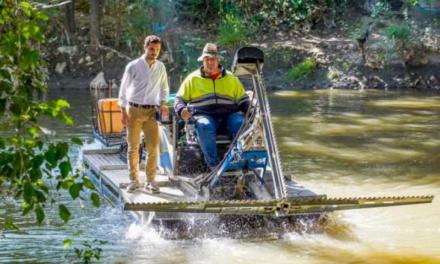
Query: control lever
(190,128)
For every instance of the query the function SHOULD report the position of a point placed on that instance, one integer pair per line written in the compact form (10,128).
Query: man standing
(144,88)
(214,97)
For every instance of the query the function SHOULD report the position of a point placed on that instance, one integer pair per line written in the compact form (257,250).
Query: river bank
(340,58)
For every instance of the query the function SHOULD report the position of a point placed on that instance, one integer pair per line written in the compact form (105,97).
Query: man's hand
(185,114)
(164,111)
(124,117)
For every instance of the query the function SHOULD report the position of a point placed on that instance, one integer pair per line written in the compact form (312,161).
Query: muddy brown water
(337,142)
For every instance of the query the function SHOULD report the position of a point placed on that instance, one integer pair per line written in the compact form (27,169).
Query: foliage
(88,252)
(287,12)
(29,162)
(199,11)
(380,9)
(399,41)
(138,17)
(303,70)
(411,2)
(231,31)
(255,15)
(127,23)
(333,73)
(398,32)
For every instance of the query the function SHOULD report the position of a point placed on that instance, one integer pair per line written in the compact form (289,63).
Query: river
(335,142)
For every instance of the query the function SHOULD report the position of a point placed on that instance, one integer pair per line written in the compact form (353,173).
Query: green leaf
(67,243)
(65,168)
(88,183)
(43,106)
(2,106)
(28,191)
(62,149)
(61,103)
(64,213)
(39,212)
(77,141)
(26,7)
(65,184)
(33,131)
(37,161)
(5,126)
(41,16)
(26,208)
(30,57)
(75,189)
(41,198)
(35,174)
(44,188)
(95,199)
(50,155)
(15,108)
(9,224)
(67,119)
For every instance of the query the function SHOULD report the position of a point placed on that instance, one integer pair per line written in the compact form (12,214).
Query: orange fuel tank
(109,116)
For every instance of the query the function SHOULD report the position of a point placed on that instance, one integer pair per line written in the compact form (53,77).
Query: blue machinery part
(242,161)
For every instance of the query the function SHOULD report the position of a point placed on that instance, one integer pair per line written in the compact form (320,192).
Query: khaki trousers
(141,119)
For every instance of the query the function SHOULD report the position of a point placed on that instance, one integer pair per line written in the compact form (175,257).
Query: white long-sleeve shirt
(143,84)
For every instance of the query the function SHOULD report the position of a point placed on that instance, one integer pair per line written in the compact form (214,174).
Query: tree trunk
(69,18)
(95,21)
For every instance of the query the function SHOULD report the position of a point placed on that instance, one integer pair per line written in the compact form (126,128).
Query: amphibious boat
(249,181)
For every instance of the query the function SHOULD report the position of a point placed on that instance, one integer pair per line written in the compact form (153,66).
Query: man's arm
(164,93)
(181,100)
(164,87)
(125,82)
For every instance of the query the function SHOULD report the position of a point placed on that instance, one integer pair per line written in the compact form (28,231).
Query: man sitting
(216,97)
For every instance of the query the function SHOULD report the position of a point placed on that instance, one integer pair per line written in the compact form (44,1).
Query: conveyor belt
(300,205)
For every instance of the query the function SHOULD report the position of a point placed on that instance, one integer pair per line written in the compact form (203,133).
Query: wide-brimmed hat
(210,50)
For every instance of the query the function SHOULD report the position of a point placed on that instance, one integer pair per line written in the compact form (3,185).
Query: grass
(231,31)
(303,70)
(398,32)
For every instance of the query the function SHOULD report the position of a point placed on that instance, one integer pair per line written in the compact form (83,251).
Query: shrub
(303,70)
(400,42)
(398,32)
(231,31)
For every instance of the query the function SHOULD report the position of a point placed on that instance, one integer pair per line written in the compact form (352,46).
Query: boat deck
(110,175)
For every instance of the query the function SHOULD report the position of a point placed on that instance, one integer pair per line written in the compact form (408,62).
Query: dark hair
(151,39)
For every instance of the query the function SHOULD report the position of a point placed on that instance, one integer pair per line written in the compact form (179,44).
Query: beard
(152,56)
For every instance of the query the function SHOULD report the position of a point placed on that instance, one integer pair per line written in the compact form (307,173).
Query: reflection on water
(341,143)
(386,136)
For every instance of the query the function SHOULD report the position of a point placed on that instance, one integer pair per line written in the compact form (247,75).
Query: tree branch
(44,6)
(121,55)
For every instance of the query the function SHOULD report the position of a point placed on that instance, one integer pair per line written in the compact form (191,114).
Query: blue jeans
(206,128)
